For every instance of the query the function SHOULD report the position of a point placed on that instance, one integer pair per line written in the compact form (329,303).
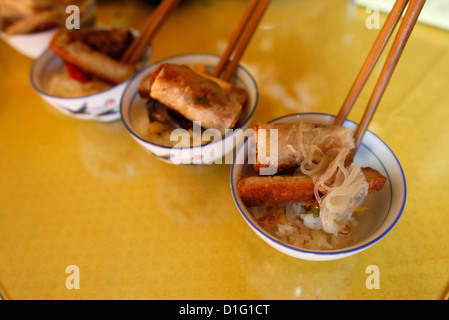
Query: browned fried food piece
(145,86)
(34,23)
(268,191)
(112,42)
(17,9)
(158,112)
(239,94)
(288,136)
(272,217)
(91,51)
(195,97)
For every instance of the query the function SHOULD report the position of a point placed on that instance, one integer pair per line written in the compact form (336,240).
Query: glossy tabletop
(83,193)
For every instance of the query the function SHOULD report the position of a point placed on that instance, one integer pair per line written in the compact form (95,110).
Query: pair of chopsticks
(241,37)
(149,30)
(403,34)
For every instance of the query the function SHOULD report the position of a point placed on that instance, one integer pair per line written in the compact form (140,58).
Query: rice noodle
(321,154)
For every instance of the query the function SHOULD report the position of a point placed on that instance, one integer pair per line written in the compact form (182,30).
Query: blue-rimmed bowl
(384,207)
(135,117)
(102,106)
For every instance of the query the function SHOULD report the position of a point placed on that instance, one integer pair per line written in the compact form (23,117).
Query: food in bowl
(305,189)
(134,114)
(20,17)
(91,61)
(182,96)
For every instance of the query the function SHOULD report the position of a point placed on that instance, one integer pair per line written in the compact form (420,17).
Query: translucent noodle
(338,190)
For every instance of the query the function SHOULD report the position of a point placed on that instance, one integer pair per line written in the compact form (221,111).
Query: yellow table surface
(83,193)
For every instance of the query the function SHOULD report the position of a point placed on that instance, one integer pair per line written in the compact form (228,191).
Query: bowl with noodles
(312,212)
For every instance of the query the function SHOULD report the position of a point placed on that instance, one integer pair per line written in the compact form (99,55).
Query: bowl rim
(249,117)
(52,56)
(328,253)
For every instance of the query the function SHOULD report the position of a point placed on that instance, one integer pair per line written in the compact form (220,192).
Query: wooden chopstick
(235,37)
(149,30)
(370,62)
(243,33)
(404,32)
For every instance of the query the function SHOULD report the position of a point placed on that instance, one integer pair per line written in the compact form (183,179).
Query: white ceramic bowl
(102,106)
(384,207)
(31,45)
(135,117)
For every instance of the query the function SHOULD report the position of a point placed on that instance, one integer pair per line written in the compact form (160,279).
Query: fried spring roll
(195,97)
(290,137)
(35,23)
(111,42)
(71,47)
(268,191)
